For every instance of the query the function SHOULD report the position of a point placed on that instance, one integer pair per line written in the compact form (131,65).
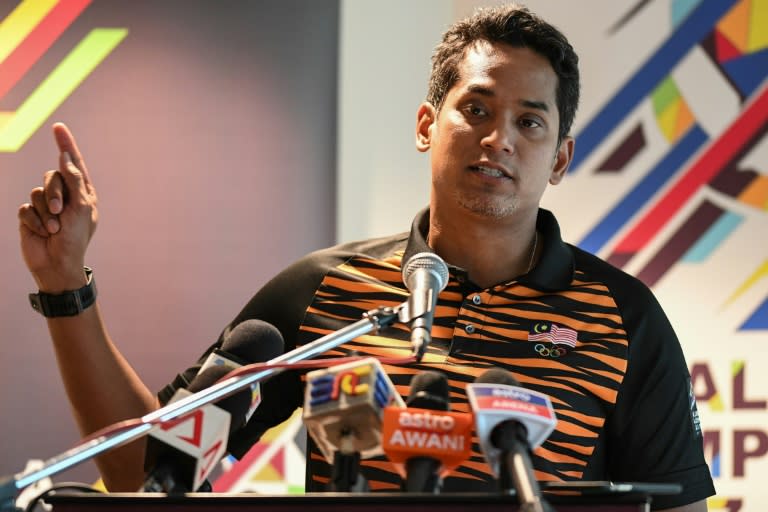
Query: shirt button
(469,328)
(477,300)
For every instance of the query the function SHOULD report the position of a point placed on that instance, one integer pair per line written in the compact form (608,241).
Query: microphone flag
(495,403)
(349,398)
(197,440)
(442,435)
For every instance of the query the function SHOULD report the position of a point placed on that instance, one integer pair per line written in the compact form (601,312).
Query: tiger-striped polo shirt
(585,333)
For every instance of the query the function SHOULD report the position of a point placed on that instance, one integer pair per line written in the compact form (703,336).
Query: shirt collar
(554,270)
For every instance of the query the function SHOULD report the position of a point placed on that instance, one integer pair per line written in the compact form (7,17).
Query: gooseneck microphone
(510,421)
(425,275)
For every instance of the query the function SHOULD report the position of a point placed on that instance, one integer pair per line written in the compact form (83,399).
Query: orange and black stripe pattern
(478,329)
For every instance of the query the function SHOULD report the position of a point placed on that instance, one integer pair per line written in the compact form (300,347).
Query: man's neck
(491,251)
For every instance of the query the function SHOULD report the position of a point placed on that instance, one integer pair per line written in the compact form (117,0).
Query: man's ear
(563,159)
(425,118)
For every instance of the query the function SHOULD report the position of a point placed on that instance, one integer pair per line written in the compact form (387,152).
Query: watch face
(34,301)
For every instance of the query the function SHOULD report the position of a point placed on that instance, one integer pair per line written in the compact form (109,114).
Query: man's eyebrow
(538,105)
(481,90)
(487,92)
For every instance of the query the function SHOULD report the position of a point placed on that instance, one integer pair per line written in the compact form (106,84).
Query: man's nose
(500,137)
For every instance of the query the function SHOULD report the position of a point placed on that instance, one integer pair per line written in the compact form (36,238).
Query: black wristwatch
(69,303)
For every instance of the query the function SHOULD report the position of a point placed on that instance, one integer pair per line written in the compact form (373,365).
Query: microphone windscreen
(254,341)
(236,405)
(429,390)
(497,376)
(207,378)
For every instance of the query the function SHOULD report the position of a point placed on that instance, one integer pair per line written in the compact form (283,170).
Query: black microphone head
(429,390)
(254,340)
(236,405)
(207,378)
(497,376)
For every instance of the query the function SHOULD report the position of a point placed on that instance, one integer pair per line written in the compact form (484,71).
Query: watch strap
(69,303)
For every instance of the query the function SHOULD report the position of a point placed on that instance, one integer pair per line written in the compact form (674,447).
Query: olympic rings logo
(553,352)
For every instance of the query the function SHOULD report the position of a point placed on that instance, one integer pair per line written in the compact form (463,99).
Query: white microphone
(343,410)
(425,275)
(510,421)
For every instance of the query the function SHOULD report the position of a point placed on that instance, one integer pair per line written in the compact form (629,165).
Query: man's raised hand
(57,223)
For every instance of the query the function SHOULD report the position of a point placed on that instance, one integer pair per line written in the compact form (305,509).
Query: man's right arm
(55,228)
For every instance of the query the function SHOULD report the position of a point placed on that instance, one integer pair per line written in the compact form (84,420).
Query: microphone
(425,442)
(510,421)
(343,408)
(179,453)
(425,275)
(250,341)
(182,453)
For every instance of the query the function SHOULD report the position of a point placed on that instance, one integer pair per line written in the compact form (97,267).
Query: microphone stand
(516,468)
(346,475)
(373,320)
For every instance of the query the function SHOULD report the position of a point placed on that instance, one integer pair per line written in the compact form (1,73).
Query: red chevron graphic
(197,427)
(726,50)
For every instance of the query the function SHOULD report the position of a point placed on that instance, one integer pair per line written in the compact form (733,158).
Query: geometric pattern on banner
(720,504)
(25,36)
(274,465)
(734,36)
(673,115)
(624,151)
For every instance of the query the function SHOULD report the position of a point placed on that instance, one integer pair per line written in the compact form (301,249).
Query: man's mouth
(488,171)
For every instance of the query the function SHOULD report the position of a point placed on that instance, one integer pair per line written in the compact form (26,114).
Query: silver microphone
(425,275)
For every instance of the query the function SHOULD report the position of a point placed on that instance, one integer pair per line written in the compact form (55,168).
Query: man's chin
(492,210)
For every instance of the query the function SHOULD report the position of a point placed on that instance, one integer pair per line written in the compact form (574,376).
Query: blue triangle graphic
(748,72)
(758,320)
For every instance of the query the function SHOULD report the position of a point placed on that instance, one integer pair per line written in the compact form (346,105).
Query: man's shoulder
(590,267)
(375,248)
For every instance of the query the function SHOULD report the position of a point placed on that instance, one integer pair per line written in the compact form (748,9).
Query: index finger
(67,144)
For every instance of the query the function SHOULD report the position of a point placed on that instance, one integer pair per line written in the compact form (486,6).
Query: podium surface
(336,502)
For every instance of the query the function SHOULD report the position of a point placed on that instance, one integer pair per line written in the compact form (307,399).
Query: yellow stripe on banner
(5,118)
(758,26)
(716,403)
(716,502)
(57,87)
(667,119)
(760,273)
(22,20)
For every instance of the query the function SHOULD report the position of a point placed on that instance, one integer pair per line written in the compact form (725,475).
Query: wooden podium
(337,502)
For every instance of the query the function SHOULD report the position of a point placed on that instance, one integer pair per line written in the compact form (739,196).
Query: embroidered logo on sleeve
(694,412)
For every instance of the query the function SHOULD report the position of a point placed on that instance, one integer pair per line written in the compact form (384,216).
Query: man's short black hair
(518,27)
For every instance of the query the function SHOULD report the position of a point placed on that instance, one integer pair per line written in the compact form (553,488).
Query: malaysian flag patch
(552,333)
